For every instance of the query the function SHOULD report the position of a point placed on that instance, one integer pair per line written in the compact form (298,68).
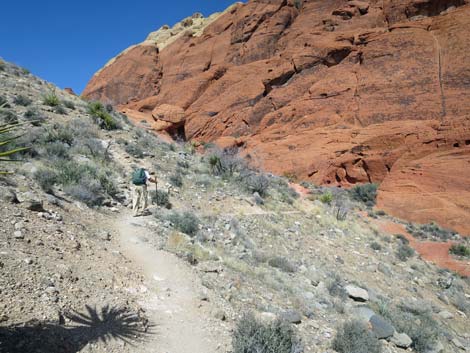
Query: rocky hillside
(315,258)
(333,92)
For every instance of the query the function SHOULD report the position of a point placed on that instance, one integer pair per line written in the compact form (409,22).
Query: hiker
(140,177)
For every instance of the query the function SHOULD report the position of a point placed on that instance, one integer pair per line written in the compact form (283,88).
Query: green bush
(51,100)
(375,246)
(22,100)
(58,133)
(2,65)
(4,102)
(404,252)
(134,150)
(8,117)
(255,182)
(34,116)
(419,326)
(84,181)
(57,150)
(254,336)
(186,222)
(46,178)
(366,193)
(460,250)
(298,4)
(335,287)
(176,179)
(87,191)
(402,239)
(101,116)
(283,264)
(327,197)
(162,198)
(430,231)
(225,163)
(355,337)
(69,104)
(59,109)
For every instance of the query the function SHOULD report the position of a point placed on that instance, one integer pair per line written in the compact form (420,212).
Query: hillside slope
(333,92)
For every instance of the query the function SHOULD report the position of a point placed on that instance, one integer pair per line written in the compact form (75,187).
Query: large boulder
(169,113)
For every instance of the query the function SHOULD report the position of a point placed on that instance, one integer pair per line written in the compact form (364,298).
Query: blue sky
(66,42)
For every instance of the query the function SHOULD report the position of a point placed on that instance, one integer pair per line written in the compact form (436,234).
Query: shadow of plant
(88,327)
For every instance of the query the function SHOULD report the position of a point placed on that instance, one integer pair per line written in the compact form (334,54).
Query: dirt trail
(171,295)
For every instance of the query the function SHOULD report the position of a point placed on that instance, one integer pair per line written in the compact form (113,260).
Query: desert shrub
(25,71)
(298,4)
(51,100)
(341,208)
(134,150)
(375,246)
(34,116)
(4,102)
(225,162)
(327,197)
(8,117)
(254,182)
(203,181)
(460,250)
(162,198)
(84,181)
(419,326)
(101,116)
(69,104)
(186,222)
(286,193)
(22,100)
(335,287)
(254,336)
(83,129)
(430,231)
(46,178)
(182,164)
(2,65)
(355,337)
(176,179)
(402,238)
(58,133)
(404,252)
(59,109)
(87,191)
(282,263)
(91,147)
(366,193)
(459,300)
(56,150)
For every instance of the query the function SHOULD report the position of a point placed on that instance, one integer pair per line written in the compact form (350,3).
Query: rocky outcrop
(334,92)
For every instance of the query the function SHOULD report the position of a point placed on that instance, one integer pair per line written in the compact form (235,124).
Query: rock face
(334,92)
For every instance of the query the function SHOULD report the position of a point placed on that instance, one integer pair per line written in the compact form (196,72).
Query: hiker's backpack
(139,177)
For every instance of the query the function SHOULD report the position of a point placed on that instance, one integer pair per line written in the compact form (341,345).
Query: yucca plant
(6,139)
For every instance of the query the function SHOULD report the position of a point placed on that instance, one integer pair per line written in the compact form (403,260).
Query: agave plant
(6,139)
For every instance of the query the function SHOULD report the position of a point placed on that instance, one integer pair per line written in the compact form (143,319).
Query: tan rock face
(336,92)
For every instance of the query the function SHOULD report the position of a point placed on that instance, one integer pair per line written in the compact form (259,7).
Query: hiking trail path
(179,322)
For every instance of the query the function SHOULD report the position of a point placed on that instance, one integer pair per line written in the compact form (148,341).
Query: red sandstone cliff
(336,92)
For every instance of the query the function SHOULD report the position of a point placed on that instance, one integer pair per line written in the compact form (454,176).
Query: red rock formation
(337,92)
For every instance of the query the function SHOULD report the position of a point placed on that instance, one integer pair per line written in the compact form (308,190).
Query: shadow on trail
(89,327)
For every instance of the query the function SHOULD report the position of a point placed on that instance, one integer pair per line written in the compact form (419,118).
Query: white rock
(356,293)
